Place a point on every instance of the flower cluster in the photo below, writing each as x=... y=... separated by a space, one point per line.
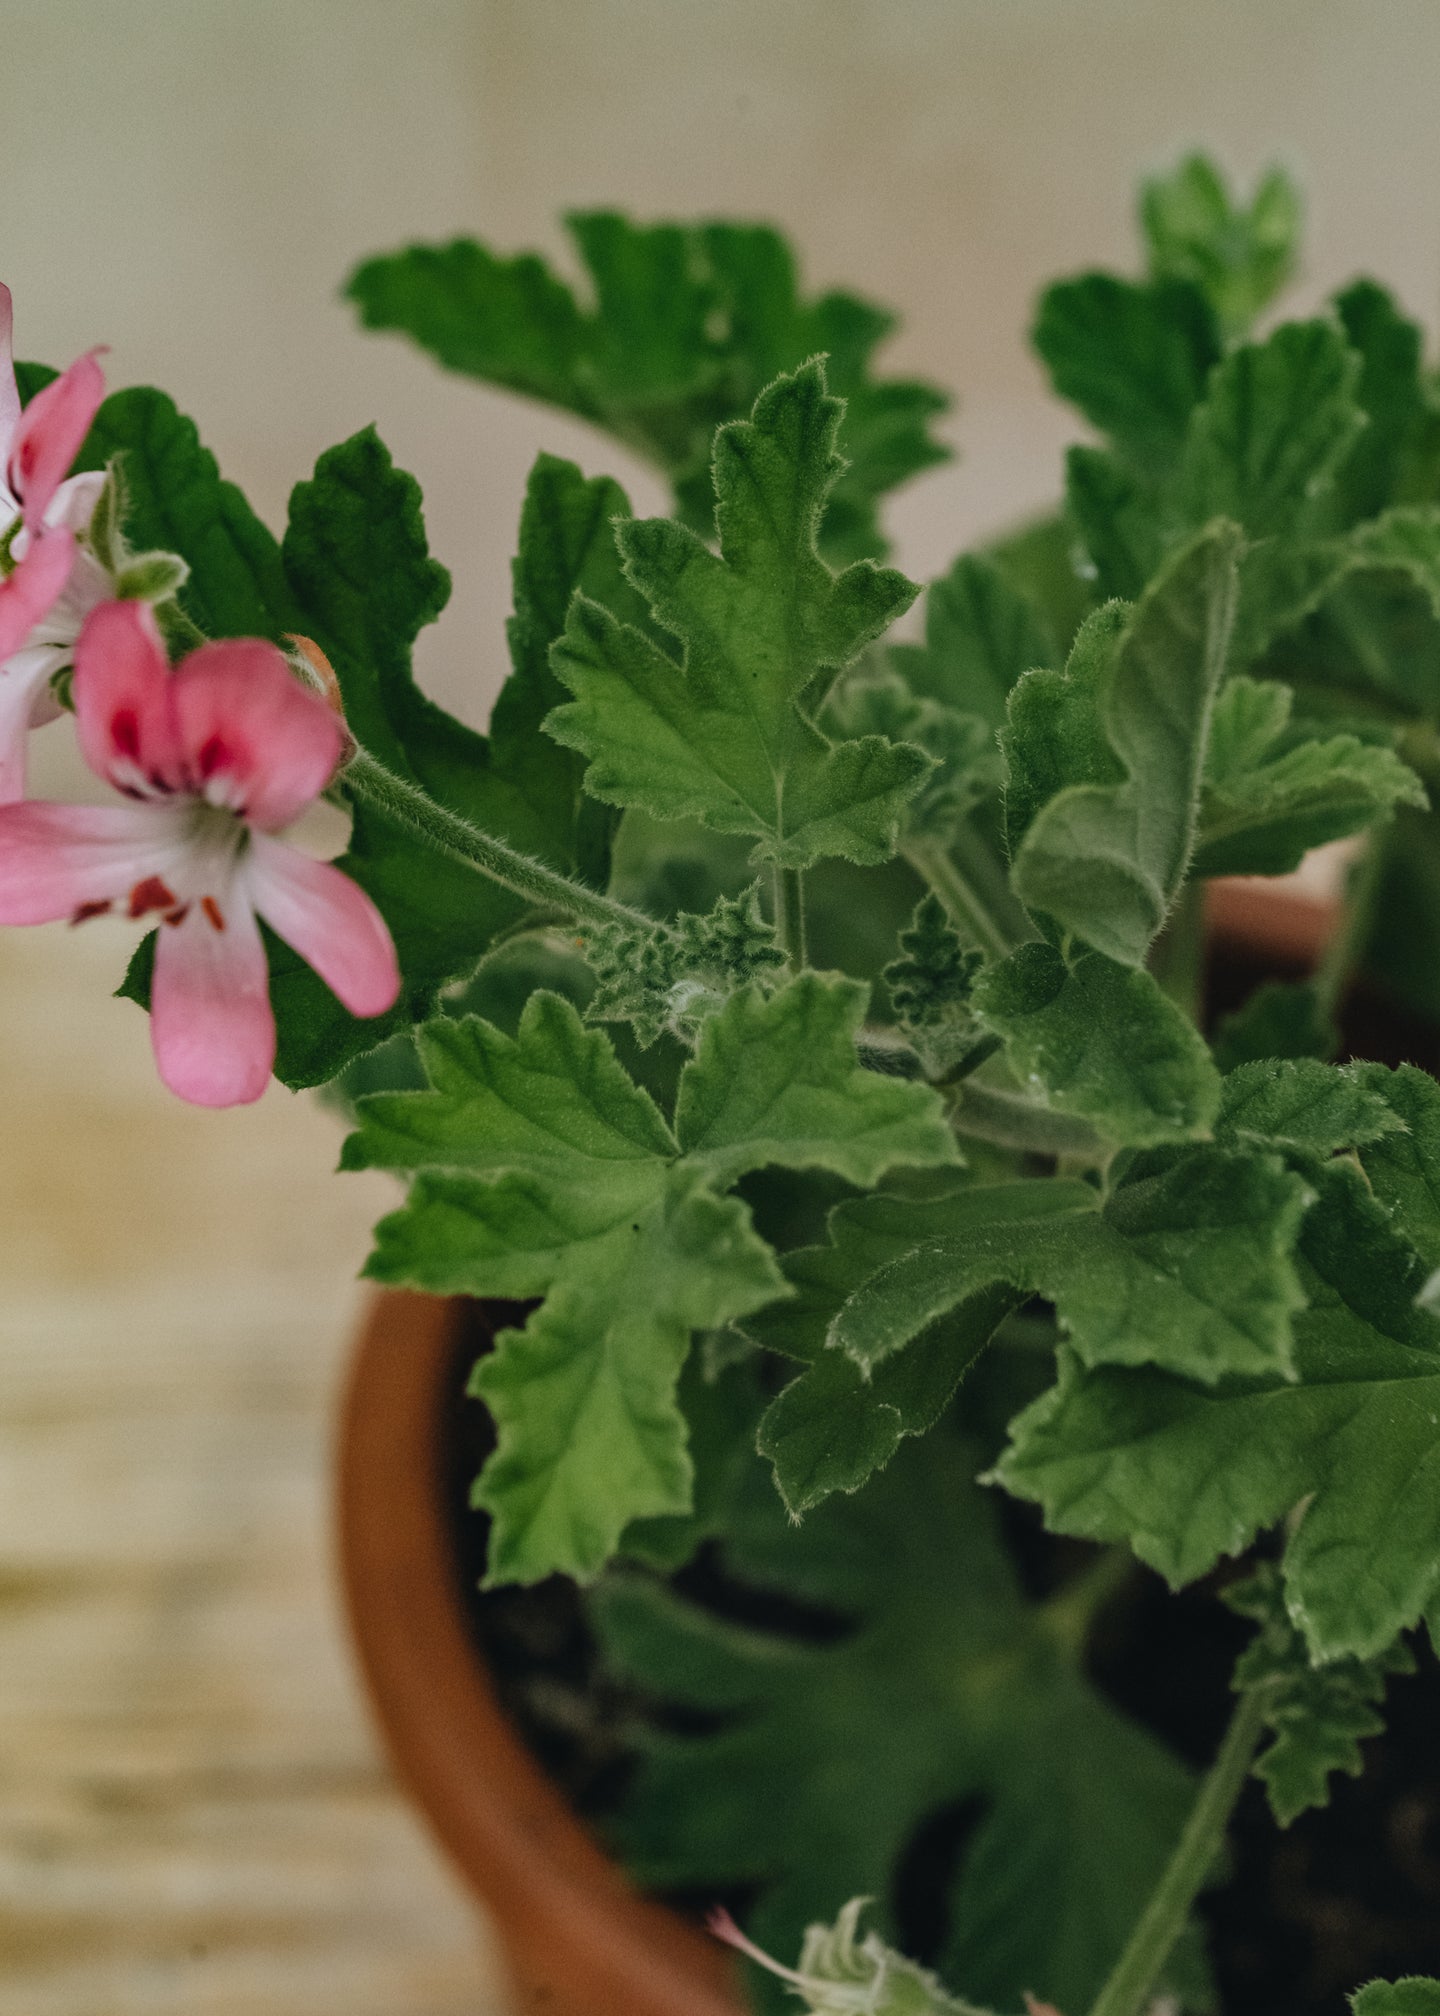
x=215 y=757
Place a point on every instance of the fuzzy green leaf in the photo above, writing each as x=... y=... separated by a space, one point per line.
x=1187 y=1265
x=1265 y=806
x=930 y=986
x=1396 y=460
x=777 y=1081
x=1239 y=256
x=1281 y=1019
x=1413 y=1996
x=1133 y=358
x=947 y=1685
x=727 y=736
x=1302 y=1103
x=1187 y=1473
x=1101 y=1041
x=543 y=1170
x=1278 y=419
x=981 y=633
x=689 y=324
x=1317 y=1715
x=1403 y=1164
x=1106 y=858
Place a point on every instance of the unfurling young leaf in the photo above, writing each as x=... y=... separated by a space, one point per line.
x=541 y=1169
x=727 y=735
x=671 y=976
x=1317 y=1715
x=930 y=988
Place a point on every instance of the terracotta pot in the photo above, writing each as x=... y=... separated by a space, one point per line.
x=579 y=1939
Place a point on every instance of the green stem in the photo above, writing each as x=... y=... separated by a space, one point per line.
x=790 y=914
x=1165 y=1916
x=1347 y=942
x=1009 y=1120
x=968 y=913
x=405 y=804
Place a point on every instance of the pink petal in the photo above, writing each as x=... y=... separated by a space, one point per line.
x=50 y=434
x=254 y=738
x=57 y=859
x=9 y=391
x=124 y=710
x=31 y=592
x=328 y=920
x=211 y=1025
x=24 y=694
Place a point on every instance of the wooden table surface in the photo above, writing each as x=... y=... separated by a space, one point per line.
x=193 y=1813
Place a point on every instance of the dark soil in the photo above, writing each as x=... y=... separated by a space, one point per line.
x=1304 y=1916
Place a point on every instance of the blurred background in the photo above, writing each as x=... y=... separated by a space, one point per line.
x=192 y=1813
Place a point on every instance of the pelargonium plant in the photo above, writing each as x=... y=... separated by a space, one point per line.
x=807 y=1020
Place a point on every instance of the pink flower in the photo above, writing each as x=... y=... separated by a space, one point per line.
x=218 y=755
x=48 y=581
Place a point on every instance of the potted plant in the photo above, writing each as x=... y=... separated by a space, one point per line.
x=794 y=1040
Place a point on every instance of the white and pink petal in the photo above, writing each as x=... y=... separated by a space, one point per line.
x=328 y=920
x=211 y=1024
x=71 y=860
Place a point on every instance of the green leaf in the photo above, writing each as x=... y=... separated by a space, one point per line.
x=1133 y=358
x=1281 y=1019
x=1187 y=1474
x=1102 y=1041
x=1403 y=1163
x=967 y=770
x=1318 y=1715
x=544 y=1170
x=1278 y=419
x=832 y=1427
x=1104 y=858
x=356 y=553
x=777 y=1081
x=1265 y=807
x=1186 y=1265
x=689 y=325
x=727 y=736
x=1300 y=1103
x=1116 y=519
x=946 y=1686
x=1239 y=256
x=1413 y=1996
x=1396 y=460
x=981 y=633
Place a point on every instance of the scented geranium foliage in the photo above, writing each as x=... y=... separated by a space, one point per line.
x=793 y=1009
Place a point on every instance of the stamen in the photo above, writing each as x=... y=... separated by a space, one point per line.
x=177 y=915
x=152 y=894
x=83 y=912
x=213 y=912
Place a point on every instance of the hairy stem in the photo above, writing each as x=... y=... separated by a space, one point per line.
x=369 y=782
x=969 y=914
x=1010 y=1120
x=1164 y=1917
x=790 y=914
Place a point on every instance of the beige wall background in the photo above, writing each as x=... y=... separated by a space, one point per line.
x=190 y=180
